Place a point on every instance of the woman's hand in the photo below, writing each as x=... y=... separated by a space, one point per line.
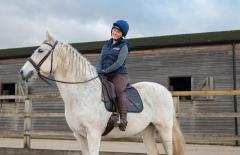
x=102 y=71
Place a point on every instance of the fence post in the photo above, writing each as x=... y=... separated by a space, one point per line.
x=27 y=123
x=176 y=103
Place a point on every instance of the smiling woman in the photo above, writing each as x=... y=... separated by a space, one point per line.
x=112 y=65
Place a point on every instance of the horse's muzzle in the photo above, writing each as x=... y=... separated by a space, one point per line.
x=25 y=77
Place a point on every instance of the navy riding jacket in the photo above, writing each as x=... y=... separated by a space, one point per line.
x=113 y=58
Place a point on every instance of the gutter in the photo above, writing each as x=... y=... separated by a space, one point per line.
x=235 y=88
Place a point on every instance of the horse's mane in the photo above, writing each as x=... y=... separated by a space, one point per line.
x=75 y=63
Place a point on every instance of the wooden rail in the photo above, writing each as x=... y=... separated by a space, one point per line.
x=28 y=133
x=207 y=93
x=4 y=97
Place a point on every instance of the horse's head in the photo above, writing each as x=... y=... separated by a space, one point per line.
x=41 y=61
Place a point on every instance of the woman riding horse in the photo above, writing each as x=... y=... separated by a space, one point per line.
x=81 y=91
x=112 y=65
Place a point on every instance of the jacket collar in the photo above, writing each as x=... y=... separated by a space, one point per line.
x=118 y=42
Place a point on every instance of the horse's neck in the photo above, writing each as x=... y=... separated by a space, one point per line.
x=73 y=67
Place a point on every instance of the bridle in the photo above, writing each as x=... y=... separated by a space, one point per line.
x=37 y=66
x=44 y=78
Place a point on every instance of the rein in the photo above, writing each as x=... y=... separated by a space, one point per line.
x=44 y=78
x=66 y=82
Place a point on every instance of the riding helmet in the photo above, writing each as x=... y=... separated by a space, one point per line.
x=122 y=25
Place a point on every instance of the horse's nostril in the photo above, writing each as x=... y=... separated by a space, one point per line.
x=21 y=72
x=21 y=75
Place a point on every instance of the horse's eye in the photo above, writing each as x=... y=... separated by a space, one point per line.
x=40 y=50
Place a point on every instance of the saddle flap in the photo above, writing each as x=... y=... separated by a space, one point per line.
x=135 y=101
x=108 y=90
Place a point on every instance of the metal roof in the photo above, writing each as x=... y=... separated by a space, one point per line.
x=221 y=37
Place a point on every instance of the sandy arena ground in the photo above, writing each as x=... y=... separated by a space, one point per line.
x=107 y=146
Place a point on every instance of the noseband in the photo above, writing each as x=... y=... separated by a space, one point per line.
x=44 y=78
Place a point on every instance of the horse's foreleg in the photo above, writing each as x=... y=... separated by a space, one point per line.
x=83 y=143
x=94 y=140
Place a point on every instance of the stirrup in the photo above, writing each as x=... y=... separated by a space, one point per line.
x=115 y=117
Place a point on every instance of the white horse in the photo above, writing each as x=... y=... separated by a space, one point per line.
x=84 y=110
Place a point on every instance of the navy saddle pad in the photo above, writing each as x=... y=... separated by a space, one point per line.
x=135 y=104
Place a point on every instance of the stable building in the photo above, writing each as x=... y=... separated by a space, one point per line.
x=201 y=61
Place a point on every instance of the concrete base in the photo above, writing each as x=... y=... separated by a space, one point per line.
x=18 y=151
x=71 y=147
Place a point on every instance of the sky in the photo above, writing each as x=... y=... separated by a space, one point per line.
x=24 y=23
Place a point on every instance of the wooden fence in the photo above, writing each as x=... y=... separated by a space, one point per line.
x=28 y=134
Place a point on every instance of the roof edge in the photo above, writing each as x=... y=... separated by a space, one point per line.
x=193 y=39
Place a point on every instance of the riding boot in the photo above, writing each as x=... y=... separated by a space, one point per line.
x=123 y=121
x=122 y=108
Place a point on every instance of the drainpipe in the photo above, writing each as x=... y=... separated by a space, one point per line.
x=235 y=88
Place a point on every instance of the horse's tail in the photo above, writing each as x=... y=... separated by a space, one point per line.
x=178 y=139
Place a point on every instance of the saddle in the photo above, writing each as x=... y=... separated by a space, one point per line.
x=134 y=102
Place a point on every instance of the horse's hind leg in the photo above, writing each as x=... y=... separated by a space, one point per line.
x=166 y=136
x=149 y=140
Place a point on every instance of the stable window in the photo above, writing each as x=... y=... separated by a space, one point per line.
x=8 y=89
x=181 y=84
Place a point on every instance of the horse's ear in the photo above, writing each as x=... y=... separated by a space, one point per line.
x=49 y=37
